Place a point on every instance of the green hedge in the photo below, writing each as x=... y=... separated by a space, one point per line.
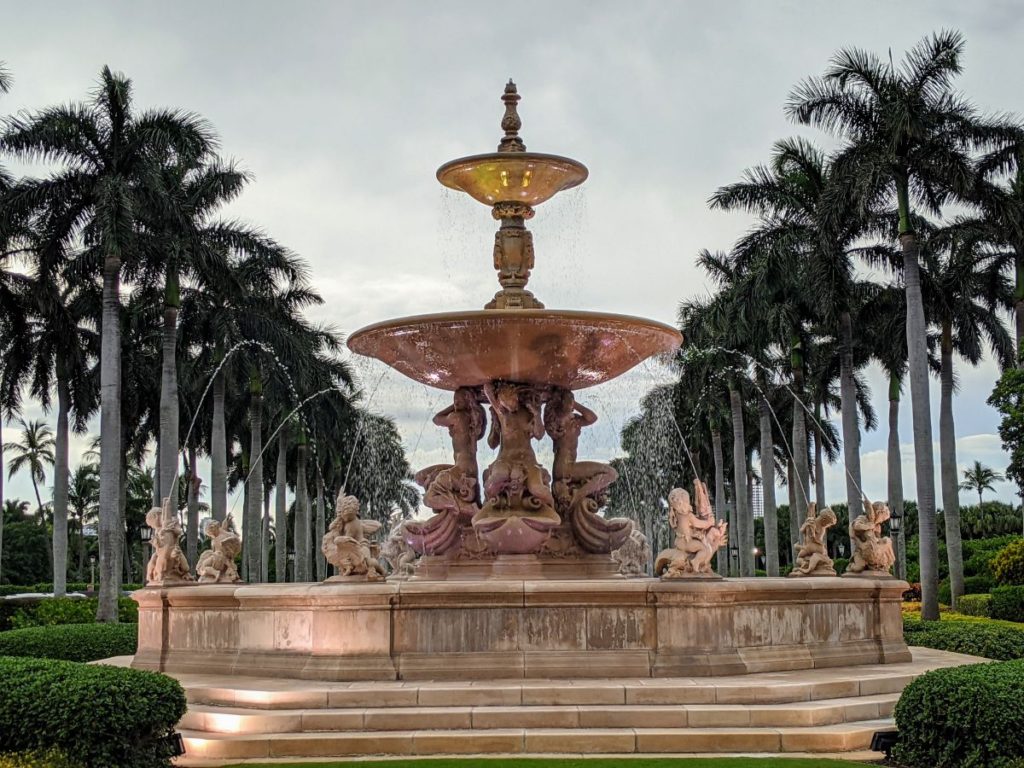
x=51 y=758
x=969 y=717
x=99 y=716
x=973 y=585
x=61 y=610
x=1008 y=603
x=991 y=641
x=1008 y=565
x=71 y=642
x=974 y=605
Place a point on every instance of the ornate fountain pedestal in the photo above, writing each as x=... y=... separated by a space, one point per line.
x=412 y=630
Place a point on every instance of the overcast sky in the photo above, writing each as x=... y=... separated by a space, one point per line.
x=343 y=111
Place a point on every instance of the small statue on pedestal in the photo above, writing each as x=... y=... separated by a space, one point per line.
x=345 y=544
x=397 y=552
x=872 y=553
x=167 y=565
x=812 y=553
x=217 y=564
x=633 y=556
x=698 y=536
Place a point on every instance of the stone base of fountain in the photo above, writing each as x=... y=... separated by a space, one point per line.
x=516 y=567
x=503 y=628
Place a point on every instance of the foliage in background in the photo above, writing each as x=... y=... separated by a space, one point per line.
x=1007 y=603
x=71 y=642
x=1008 y=564
x=1008 y=398
x=976 y=637
x=60 y=610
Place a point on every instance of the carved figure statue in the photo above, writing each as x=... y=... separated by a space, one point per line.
x=345 y=544
x=397 y=552
x=871 y=550
x=518 y=513
x=812 y=552
x=698 y=536
x=168 y=564
x=217 y=564
x=632 y=557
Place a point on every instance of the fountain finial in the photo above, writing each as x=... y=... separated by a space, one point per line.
x=511 y=122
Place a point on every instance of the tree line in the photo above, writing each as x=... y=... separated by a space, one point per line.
x=903 y=247
x=124 y=290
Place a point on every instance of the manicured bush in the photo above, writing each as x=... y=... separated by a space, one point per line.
x=974 y=605
x=51 y=758
x=976 y=638
x=71 y=642
x=1008 y=603
x=99 y=716
x=969 y=717
x=840 y=564
x=1008 y=565
x=973 y=585
x=69 y=610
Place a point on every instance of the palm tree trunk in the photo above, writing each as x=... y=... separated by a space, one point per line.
x=801 y=473
x=60 y=485
x=739 y=459
x=157 y=498
x=921 y=409
x=265 y=537
x=122 y=503
x=246 y=541
x=218 y=453
x=110 y=442
x=1018 y=299
x=794 y=505
x=948 y=469
x=168 y=467
x=281 y=510
x=771 y=524
x=321 y=528
x=192 y=535
x=302 y=533
x=81 y=547
x=819 y=460
x=848 y=408
x=255 y=484
x=721 y=509
x=895 y=473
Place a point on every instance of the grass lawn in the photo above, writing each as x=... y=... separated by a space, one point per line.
x=575 y=762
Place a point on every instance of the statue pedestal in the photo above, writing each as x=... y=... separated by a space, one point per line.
x=521 y=628
x=516 y=567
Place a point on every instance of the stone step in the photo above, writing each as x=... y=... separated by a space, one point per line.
x=844 y=737
x=229 y=720
x=773 y=688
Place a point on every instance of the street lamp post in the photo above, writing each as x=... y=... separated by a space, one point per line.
x=92 y=573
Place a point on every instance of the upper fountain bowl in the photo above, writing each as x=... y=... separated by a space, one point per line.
x=522 y=177
x=544 y=347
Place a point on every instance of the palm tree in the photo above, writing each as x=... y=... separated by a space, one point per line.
x=800 y=231
x=106 y=155
x=83 y=504
x=980 y=478
x=908 y=136
x=965 y=290
x=33 y=452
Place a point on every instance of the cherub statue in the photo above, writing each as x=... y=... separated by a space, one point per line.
x=872 y=552
x=812 y=553
x=217 y=564
x=168 y=564
x=698 y=536
x=345 y=544
x=633 y=556
x=397 y=552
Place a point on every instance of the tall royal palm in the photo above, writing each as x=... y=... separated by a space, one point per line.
x=105 y=155
x=965 y=291
x=34 y=453
x=908 y=135
x=980 y=478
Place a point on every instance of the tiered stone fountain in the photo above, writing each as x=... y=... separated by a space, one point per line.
x=515 y=577
x=524 y=363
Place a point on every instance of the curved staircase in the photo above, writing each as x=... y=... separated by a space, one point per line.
x=834 y=710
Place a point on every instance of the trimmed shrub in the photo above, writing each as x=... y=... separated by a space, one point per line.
x=49 y=759
x=1008 y=604
x=840 y=564
x=974 y=605
x=1008 y=565
x=975 y=638
x=69 y=610
x=970 y=717
x=71 y=642
x=99 y=716
x=973 y=585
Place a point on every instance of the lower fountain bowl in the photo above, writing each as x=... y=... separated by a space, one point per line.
x=565 y=348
